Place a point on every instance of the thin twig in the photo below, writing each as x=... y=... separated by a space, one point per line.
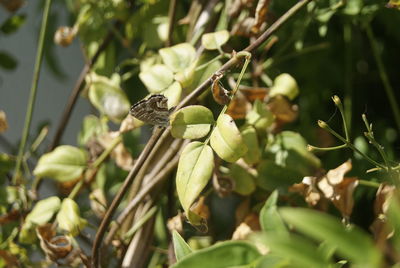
x=32 y=96
x=171 y=21
x=191 y=97
x=75 y=92
x=157 y=176
x=118 y=198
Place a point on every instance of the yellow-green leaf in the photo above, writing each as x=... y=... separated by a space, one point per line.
x=285 y=84
x=178 y=57
x=64 y=163
x=69 y=219
x=244 y=181
x=253 y=155
x=157 y=78
x=191 y=122
x=106 y=95
x=194 y=171
x=226 y=140
x=214 y=40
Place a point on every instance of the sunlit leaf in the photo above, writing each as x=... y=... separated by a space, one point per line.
x=157 y=78
x=214 y=40
x=191 y=122
x=64 y=163
x=179 y=57
x=285 y=84
x=173 y=93
x=69 y=219
x=107 y=97
x=226 y=140
x=181 y=248
x=253 y=155
x=195 y=167
x=42 y=212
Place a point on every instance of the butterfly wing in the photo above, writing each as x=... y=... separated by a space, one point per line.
x=153 y=110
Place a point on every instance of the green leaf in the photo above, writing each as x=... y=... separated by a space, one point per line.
x=107 y=97
x=271 y=176
x=300 y=251
x=272 y=260
x=270 y=220
x=290 y=150
x=179 y=57
x=181 y=248
x=13 y=23
x=195 y=167
x=157 y=78
x=191 y=122
x=214 y=40
x=244 y=181
x=42 y=212
x=260 y=117
x=64 y=163
x=69 y=219
x=173 y=93
x=201 y=75
x=253 y=155
x=7 y=61
x=286 y=85
x=226 y=140
x=220 y=255
x=351 y=243
x=92 y=126
x=288 y=161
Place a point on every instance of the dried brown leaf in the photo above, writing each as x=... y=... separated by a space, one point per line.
x=55 y=247
x=3 y=121
x=239 y=106
x=260 y=16
x=220 y=94
x=176 y=223
x=308 y=189
x=283 y=109
x=254 y=93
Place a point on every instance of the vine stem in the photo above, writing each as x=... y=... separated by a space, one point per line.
x=32 y=97
x=77 y=89
x=186 y=101
x=384 y=77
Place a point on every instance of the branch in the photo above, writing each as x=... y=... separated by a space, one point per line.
x=171 y=21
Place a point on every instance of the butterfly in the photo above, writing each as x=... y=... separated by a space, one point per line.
x=153 y=110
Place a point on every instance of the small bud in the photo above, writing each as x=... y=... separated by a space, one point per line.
x=337 y=100
x=65 y=35
x=310 y=148
x=322 y=124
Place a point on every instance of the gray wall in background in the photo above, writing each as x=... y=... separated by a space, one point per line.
x=52 y=93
